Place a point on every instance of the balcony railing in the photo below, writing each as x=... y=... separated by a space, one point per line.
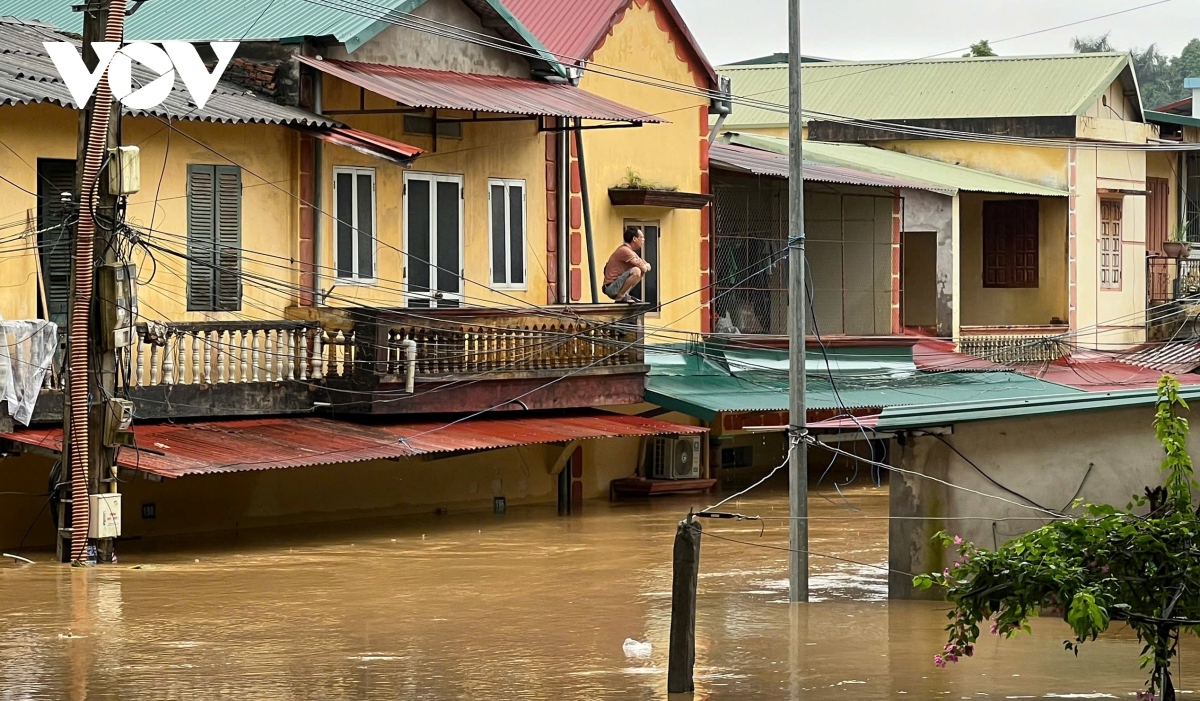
x=554 y=357
x=451 y=346
x=1171 y=280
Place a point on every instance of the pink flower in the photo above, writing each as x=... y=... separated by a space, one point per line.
x=952 y=657
x=1104 y=569
x=1146 y=696
x=946 y=572
x=957 y=565
x=995 y=628
x=958 y=540
x=948 y=648
x=938 y=661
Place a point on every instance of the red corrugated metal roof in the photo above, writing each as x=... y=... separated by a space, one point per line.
x=421 y=87
x=370 y=144
x=1174 y=356
x=572 y=29
x=211 y=447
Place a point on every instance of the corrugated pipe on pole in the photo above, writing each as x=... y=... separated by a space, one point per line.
x=75 y=430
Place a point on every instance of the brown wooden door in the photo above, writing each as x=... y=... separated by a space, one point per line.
x=1158 y=208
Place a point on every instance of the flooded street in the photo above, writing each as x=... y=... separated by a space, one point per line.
x=522 y=605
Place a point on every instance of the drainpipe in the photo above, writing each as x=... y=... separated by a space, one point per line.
x=564 y=212
x=318 y=187
x=587 y=211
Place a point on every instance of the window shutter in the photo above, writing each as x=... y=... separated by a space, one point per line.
x=55 y=244
x=229 y=238
x=516 y=234
x=201 y=231
x=499 y=245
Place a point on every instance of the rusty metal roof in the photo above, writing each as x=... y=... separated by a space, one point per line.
x=1177 y=357
x=370 y=144
x=761 y=162
x=423 y=87
x=572 y=29
x=241 y=445
x=27 y=75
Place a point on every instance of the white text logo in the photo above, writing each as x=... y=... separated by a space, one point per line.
x=177 y=56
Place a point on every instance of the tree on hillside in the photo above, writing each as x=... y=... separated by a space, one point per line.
x=1091 y=45
x=1160 y=77
x=980 y=48
x=1187 y=63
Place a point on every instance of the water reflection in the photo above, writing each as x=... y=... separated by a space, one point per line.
x=525 y=605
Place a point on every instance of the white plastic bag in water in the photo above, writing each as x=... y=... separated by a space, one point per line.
x=635 y=648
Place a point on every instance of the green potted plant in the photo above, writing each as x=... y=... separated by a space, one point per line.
x=1177 y=246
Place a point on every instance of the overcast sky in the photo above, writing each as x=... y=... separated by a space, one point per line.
x=730 y=30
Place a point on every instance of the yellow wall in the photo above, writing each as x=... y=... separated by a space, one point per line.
x=777 y=132
x=666 y=154
x=269 y=212
x=323 y=493
x=509 y=150
x=1047 y=166
x=991 y=306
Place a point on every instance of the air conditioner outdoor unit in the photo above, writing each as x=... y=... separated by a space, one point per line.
x=675 y=458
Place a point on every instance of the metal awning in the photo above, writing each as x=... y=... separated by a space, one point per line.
x=241 y=445
x=757 y=161
x=471 y=92
x=370 y=144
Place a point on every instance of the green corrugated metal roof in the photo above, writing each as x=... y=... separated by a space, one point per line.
x=943 y=176
x=901 y=417
x=240 y=20
x=1004 y=86
x=1171 y=118
x=705 y=386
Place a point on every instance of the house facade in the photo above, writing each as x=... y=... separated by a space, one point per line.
x=1068 y=261
x=359 y=278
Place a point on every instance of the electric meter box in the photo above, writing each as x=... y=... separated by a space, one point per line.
x=105 y=521
x=118 y=300
x=124 y=170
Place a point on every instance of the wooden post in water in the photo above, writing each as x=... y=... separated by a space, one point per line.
x=682 y=655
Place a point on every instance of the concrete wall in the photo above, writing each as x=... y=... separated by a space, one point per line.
x=324 y=493
x=267 y=153
x=993 y=306
x=926 y=211
x=400 y=46
x=1044 y=458
x=674 y=154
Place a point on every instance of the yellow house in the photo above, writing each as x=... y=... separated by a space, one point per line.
x=1070 y=263
x=640 y=53
x=376 y=186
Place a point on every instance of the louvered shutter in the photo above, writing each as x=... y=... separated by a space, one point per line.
x=201 y=231
x=229 y=239
x=55 y=176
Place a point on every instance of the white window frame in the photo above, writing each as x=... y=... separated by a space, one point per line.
x=433 y=179
x=507 y=183
x=356 y=279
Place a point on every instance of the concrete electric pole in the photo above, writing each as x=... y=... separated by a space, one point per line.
x=91 y=357
x=798 y=304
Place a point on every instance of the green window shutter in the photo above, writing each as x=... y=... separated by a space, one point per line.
x=54 y=240
x=201 y=238
x=229 y=238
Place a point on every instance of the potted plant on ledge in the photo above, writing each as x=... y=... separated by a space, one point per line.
x=1177 y=246
x=636 y=191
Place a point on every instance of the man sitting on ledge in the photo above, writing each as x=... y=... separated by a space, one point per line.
x=625 y=268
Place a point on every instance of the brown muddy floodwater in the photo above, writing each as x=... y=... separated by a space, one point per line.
x=524 y=605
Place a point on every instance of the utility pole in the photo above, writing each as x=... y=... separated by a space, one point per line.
x=798 y=304
x=91 y=360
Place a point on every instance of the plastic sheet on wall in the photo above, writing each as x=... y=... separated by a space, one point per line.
x=27 y=351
